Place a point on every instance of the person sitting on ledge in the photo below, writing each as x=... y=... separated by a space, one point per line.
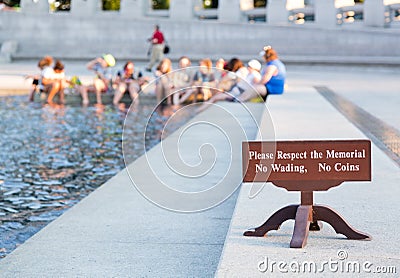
x=242 y=77
x=102 y=81
x=182 y=79
x=36 y=82
x=59 y=75
x=273 y=76
x=164 y=77
x=127 y=81
x=49 y=83
x=203 y=82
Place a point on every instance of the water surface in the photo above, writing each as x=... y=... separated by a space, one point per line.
x=53 y=157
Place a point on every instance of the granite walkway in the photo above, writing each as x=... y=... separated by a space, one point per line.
x=117 y=232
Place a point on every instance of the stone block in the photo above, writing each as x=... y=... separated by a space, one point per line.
x=7 y=50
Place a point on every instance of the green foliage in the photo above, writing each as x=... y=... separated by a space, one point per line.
x=111 y=5
x=160 y=4
x=12 y=3
x=63 y=5
x=210 y=4
x=260 y=3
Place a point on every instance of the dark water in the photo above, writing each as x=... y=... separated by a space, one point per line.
x=53 y=157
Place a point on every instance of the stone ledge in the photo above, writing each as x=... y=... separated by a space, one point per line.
x=8 y=50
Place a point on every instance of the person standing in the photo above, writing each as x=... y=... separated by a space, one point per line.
x=157 y=47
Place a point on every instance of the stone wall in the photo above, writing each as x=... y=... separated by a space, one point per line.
x=66 y=35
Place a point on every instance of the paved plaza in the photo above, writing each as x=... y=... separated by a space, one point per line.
x=115 y=231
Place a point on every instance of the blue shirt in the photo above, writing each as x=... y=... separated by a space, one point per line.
x=276 y=84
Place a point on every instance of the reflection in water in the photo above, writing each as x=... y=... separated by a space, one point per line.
x=52 y=157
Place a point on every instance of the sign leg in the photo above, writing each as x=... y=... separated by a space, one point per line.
x=301 y=226
x=325 y=213
x=275 y=221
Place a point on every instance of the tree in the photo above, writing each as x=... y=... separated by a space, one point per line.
x=160 y=4
x=111 y=5
x=260 y=3
x=12 y=3
x=210 y=4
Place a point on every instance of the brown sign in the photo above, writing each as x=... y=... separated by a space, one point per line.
x=339 y=160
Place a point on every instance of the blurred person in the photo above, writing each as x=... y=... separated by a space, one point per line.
x=203 y=81
x=252 y=78
x=48 y=81
x=182 y=79
x=236 y=66
x=273 y=77
x=220 y=69
x=157 y=47
x=247 y=78
x=164 y=81
x=36 y=82
x=234 y=76
x=254 y=68
x=102 y=82
x=220 y=64
x=59 y=75
x=128 y=81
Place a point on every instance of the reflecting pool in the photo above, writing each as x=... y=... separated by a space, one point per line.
x=53 y=157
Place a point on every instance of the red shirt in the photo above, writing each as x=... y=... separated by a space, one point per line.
x=158 y=37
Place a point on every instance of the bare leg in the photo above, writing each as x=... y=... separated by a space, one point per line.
x=62 y=95
x=83 y=90
x=196 y=93
x=169 y=99
x=251 y=93
x=206 y=93
x=175 y=98
x=162 y=89
x=159 y=92
x=98 y=98
x=206 y=90
x=134 y=89
x=54 y=88
x=119 y=93
x=215 y=98
x=99 y=86
x=186 y=95
x=32 y=93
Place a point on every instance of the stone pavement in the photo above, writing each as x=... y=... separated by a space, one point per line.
x=116 y=232
x=370 y=207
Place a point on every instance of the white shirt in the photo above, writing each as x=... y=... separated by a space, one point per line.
x=48 y=73
x=59 y=76
x=242 y=73
x=253 y=77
